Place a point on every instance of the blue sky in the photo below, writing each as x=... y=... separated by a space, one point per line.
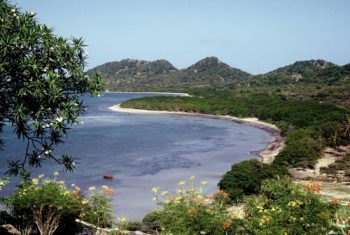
x=254 y=35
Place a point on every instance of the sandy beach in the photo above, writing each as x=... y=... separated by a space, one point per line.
x=267 y=155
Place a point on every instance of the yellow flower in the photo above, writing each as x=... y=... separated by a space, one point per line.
x=204 y=183
x=164 y=193
x=121 y=219
x=46 y=181
x=192 y=178
x=85 y=201
x=56 y=173
x=41 y=176
x=182 y=183
x=92 y=188
x=155 y=189
x=104 y=187
x=35 y=181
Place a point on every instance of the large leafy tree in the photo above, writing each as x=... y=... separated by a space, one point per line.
x=41 y=79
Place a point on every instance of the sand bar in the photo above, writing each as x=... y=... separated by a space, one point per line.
x=267 y=155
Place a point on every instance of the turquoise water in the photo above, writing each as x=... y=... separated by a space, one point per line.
x=145 y=150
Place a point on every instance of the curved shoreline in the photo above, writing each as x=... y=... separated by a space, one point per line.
x=148 y=92
x=268 y=154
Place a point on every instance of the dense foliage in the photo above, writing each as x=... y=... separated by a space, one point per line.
x=285 y=208
x=43 y=202
x=308 y=126
x=282 y=207
x=160 y=75
x=41 y=77
x=245 y=178
x=50 y=206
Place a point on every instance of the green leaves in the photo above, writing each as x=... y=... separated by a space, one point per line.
x=282 y=207
x=41 y=78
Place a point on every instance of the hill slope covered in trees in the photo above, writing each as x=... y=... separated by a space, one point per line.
x=161 y=75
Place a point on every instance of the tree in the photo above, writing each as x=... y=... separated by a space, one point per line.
x=346 y=126
x=41 y=79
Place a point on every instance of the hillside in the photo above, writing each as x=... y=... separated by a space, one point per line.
x=129 y=74
x=160 y=75
x=308 y=71
x=318 y=80
x=211 y=68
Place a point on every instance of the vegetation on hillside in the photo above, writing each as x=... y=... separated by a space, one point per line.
x=160 y=75
x=316 y=80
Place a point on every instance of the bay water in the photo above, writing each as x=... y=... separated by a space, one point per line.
x=143 y=151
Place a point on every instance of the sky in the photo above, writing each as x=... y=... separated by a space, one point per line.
x=254 y=35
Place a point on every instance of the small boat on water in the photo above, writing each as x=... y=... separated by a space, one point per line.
x=108 y=177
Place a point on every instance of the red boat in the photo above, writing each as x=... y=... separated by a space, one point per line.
x=108 y=177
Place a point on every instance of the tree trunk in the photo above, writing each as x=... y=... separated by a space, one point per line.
x=47 y=219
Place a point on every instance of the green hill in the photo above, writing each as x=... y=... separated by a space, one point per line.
x=212 y=69
x=160 y=75
x=317 y=80
x=129 y=74
x=308 y=71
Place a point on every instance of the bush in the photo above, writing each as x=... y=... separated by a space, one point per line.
x=51 y=207
x=282 y=207
x=190 y=211
x=286 y=208
x=152 y=221
x=44 y=202
x=245 y=178
x=97 y=209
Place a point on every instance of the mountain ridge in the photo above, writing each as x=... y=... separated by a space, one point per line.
x=160 y=75
x=137 y=75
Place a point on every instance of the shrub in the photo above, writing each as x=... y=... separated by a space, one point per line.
x=189 y=211
x=286 y=208
x=97 y=207
x=48 y=205
x=45 y=202
x=282 y=207
x=245 y=178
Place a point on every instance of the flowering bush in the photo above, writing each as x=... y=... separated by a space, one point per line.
x=190 y=211
x=281 y=207
x=97 y=207
x=47 y=203
x=44 y=201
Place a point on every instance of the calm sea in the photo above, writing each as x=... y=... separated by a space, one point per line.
x=144 y=150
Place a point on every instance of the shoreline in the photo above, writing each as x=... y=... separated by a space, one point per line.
x=267 y=155
x=149 y=92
